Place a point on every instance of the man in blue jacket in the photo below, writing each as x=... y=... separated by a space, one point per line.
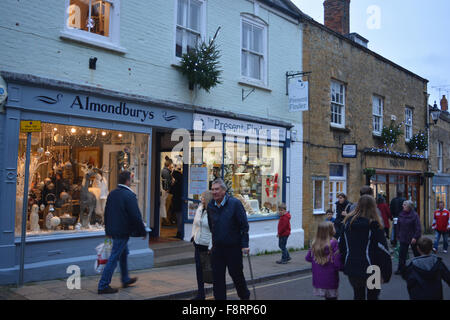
x=123 y=220
x=229 y=227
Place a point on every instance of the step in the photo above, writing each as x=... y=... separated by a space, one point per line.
x=174 y=260
x=172 y=248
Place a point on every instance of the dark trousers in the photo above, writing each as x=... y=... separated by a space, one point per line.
x=198 y=268
x=360 y=287
x=282 y=242
x=231 y=257
x=119 y=254
x=403 y=252
x=386 y=231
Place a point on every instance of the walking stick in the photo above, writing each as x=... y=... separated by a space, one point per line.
x=251 y=274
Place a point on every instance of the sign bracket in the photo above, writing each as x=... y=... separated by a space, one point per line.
x=292 y=74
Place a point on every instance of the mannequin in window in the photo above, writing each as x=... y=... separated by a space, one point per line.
x=101 y=193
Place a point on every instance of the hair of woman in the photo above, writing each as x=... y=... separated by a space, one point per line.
x=366 y=208
x=325 y=232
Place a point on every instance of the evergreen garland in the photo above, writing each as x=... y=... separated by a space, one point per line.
x=201 y=66
x=391 y=134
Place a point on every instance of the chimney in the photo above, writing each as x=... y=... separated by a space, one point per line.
x=444 y=104
x=337 y=15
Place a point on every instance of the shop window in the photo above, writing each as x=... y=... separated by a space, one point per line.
x=189 y=25
x=72 y=171
x=253 y=50
x=377 y=112
x=318 y=196
x=337 y=104
x=441 y=195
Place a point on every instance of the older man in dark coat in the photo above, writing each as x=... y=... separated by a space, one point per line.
x=123 y=220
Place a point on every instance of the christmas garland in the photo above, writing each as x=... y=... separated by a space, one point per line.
x=396 y=154
x=390 y=135
x=201 y=66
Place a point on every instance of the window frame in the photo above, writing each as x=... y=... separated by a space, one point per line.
x=319 y=211
x=253 y=20
x=440 y=156
x=112 y=42
x=336 y=103
x=409 y=126
x=177 y=60
x=378 y=116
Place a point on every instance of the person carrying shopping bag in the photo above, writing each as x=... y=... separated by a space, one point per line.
x=202 y=240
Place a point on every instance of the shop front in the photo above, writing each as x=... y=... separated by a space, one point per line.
x=87 y=137
x=251 y=158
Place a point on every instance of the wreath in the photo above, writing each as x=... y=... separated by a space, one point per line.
x=390 y=135
x=419 y=141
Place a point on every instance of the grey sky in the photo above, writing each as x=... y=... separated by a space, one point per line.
x=412 y=33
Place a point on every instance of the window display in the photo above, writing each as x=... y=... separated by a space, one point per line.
x=253 y=173
x=72 y=170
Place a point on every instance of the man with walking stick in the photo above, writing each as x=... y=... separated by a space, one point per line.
x=229 y=227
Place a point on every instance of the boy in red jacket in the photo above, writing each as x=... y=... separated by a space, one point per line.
x=441 y=224
x=284 y=230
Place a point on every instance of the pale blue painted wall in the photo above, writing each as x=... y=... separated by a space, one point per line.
x=31 y=44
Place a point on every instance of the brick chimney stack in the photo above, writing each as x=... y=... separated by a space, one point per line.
x=337 y=15
x=444 y=104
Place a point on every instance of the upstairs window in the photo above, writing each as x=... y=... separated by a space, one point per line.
x=337 y=104
x=440 y=147
x=253 y=50
x=408 y=123
x=189 y=26
x=96 y=22
x=377 y=113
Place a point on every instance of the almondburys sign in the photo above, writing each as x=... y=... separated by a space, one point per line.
x=121 y=109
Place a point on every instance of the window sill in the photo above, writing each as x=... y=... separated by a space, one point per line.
x=339 y=128
x=376 y=134
x=319 y=213
x=248 y=83
x=101 y=44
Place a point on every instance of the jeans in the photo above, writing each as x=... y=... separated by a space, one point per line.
x=199 y=270
x=231 y=257
x=282 y=241
x=359 y=289
x=438 y=238
x=119 y=253
x=403 y=252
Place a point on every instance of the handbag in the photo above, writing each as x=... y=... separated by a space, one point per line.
x=205 y=261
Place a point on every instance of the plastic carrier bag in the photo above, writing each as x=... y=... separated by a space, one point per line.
x=103 y=253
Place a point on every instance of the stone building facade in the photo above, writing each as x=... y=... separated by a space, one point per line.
x=354 y=93
x=439 y=150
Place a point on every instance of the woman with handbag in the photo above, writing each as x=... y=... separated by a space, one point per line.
x=201 y=237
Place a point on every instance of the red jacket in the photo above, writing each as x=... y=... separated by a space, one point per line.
x=284 y=225
x=385 y=213
x=441 y=221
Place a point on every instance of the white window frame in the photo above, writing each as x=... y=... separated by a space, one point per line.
x=337 y=85
x=409 y=119
x=440 y=156
x=112 y=42
x=377 y=114
x=333 y=180
x=253 y=20
x=321 y=210
x=177 y=60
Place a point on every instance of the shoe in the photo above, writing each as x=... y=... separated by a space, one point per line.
x=129 y=283
x=198 y=298
x=289 y=259
x=398 y=272
x=107 y=290
x=281 y=261
x=435 y=251
x=445 y=251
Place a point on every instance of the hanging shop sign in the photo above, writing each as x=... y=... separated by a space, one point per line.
x=234 y=127
x=349 y=150
x=92 y=106
x=298 y=95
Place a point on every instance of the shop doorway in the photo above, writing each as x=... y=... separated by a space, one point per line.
x=169 y=191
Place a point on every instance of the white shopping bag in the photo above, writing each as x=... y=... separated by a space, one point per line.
x=103 y=253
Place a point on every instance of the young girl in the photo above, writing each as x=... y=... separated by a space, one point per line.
x=326 y=262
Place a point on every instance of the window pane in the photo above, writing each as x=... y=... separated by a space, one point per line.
x=244 y=64
x=195 y=15
x=72 y=163
x=336 y=170
x=179 y=44
x=100 y=15
x=182 y=12
x=317 y=194
x=246 y=34
x=192 y=40
x=255 y=66
x=257 y=39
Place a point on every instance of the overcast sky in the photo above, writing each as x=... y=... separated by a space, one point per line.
x=412 y=33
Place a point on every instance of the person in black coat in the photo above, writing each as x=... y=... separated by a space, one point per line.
x=424 y=274
x=364 y=244
x=342 y=210
x=123 y=220
x=228 y=223
x=177 y=199
x=396 y=206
